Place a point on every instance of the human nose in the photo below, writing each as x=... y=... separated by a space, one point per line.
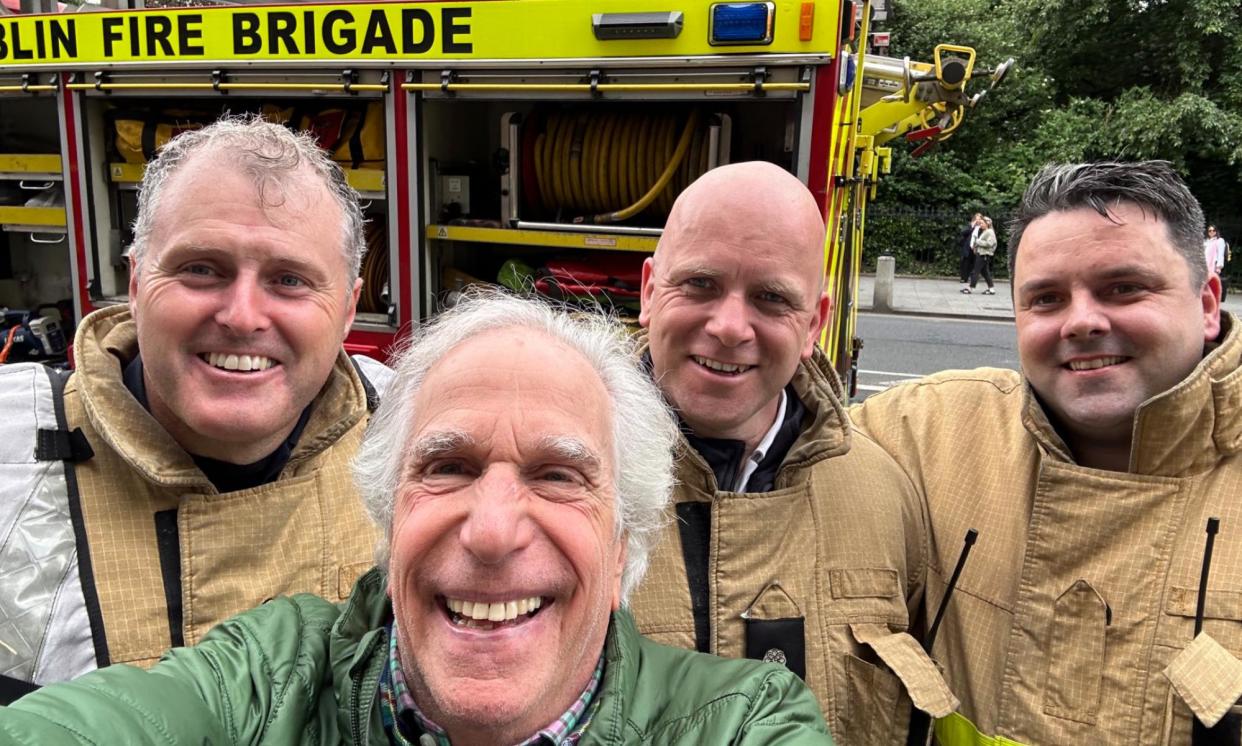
x=1084 y=318
x=730 y=321
x=243 y=307
x=497 y=524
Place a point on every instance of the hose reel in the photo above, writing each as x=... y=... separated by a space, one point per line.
x=602 y=166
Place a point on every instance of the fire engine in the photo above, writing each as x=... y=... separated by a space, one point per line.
x=534 y=143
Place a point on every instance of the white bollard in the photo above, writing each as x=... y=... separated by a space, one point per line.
x=882 y=297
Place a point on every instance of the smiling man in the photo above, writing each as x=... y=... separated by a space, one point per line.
x=196 y=462
x=519 y=468
x=1090 y=477
x=797 y=539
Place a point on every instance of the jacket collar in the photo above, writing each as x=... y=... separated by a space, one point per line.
x=359 y=650
x=108 y=339
x=1184 y=430
x=826 y=433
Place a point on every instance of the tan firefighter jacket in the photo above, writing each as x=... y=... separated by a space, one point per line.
x=92 y=553
x=1081 y=589
x=825 y=570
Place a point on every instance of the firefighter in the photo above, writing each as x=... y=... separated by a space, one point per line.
x=1089 y=476
x=797 y=540
x=196 y=462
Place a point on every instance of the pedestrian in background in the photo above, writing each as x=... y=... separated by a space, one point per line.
x=984 y=246
x=1216 y=253
x=965 y=243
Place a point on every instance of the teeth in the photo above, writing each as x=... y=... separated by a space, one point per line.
x=502 y=611
x=1099 y=362
x=238 y=362
x=707 y=362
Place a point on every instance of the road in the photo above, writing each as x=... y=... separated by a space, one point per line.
x=898 y=348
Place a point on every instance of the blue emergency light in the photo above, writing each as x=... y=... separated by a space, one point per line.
x=741 y=23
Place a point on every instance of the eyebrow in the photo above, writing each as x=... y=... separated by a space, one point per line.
x=700 y=270
x=439 y=443
x=791 y=293
x=192 y=251
x=570 y=450
x=1112 y=273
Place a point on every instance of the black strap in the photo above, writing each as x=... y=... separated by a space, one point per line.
x=149 y=128
x=12 y=689
x=86 y=573
x=356 y=154
x=59 y=445
x=168 y=542
x=694 y=520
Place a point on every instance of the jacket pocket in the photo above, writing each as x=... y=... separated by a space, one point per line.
x=1220 y=603
x=1076 y=654
x=921 y=679
x=864 y=583
x=874 y=710
x=1205 y=685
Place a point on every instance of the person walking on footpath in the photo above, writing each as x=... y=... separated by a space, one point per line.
x=1216 y=253
x=966 y=258
x=984 y=246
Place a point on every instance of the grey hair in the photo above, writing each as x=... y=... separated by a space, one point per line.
x=270 y=154
x=1151 y=185
x=644 y=432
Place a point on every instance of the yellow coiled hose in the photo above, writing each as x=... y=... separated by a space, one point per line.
x=612 y=165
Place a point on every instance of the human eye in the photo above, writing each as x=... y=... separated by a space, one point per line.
x=197 y=269
x=773 y=298
x=698 y=283
x=444 y=469
x=557 y=475
x=1124 y=289
x=290 y=281
x=1043 y=300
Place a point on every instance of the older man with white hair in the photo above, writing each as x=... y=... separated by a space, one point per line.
x=519 y=468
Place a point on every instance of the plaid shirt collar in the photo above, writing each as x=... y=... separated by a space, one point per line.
x=403 y=721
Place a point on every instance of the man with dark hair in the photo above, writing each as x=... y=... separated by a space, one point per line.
x=966 y=250
x=1090 y=476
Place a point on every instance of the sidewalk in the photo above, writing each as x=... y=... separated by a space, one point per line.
x=936 y=296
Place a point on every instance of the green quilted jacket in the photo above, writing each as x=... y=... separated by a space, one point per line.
x=300 y=670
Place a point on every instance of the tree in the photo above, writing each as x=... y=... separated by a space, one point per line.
x=1094 y=79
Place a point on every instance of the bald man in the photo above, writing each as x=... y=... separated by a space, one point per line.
x=797 y=539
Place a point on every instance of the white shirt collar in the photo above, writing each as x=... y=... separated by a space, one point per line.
x=761 y=450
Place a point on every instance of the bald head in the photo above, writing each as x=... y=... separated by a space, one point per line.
x=750 y=203
x=733 y=299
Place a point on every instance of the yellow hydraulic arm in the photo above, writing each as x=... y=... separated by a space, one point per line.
x=890 y=98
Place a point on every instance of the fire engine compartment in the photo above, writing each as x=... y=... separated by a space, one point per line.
x=539 y=146
x=463 y=138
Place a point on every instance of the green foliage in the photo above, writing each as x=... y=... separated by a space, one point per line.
x=1094 y=80
x=926 y=241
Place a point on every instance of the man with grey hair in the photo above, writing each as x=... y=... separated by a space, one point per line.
x=196 y=462
x=519 y=468
x=1086 y=613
